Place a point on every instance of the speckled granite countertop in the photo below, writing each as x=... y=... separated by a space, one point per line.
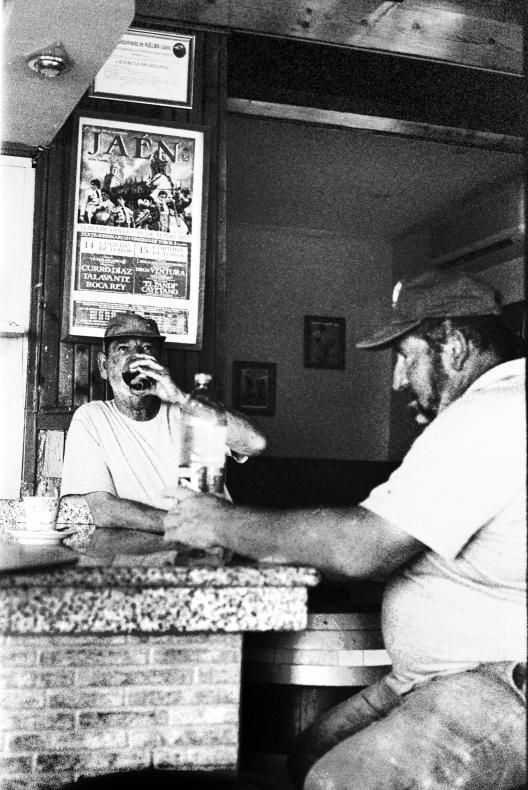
x=155 y=600
x=95 y=578
x=152 y=594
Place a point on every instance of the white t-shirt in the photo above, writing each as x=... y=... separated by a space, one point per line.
x=461 y=491
x=107 y=451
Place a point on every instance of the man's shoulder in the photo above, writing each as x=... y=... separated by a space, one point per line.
x=94 y=410
x=499 y=387
x=511 y=374
x=494 y=405
x=499 y=391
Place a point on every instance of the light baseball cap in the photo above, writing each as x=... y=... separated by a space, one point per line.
x=132 y=325
x=433 y=295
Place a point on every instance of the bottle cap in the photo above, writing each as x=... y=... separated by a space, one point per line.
x=202 y=378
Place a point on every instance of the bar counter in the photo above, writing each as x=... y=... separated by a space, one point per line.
x=123 y=667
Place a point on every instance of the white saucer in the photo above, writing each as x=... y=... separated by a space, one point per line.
x=35 y=537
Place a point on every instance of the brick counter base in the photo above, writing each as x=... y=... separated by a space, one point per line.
x=73 y=706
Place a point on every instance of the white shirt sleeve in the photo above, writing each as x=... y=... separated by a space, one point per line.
x=85 y=469
x=465 y=468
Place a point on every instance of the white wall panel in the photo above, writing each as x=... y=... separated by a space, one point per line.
x=17 y=180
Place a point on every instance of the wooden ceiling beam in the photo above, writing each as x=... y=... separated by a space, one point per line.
x=498 y=10
x=450 y=135
x=483 y=35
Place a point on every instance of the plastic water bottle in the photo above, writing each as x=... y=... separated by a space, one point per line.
x=203 y=438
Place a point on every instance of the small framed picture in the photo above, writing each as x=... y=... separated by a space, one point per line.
x=324 y=342
x=254 y=387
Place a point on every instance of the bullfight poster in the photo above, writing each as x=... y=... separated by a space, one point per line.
x=137 y=231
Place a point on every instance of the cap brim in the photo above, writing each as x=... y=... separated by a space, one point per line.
x=134 y=334
x=386 y=335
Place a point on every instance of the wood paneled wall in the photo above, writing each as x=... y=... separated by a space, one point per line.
x=62 y=376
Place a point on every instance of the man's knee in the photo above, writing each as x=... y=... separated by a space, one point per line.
x=342 y=771
x=318 y=778
x=336 y=725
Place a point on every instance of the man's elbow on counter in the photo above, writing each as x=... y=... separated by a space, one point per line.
x=102 y=508
x=258 y=444
x=252 y=445
x=99 y=504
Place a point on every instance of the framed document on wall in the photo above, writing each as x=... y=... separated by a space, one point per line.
x=136 y=231
x=150 y=68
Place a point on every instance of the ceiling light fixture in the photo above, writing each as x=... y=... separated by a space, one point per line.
x=50 y=61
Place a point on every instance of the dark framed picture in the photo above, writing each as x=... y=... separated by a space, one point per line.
x=136 y=227
x=324 y=342
x=254 y=387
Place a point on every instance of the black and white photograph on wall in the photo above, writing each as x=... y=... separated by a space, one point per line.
x=254 y=387
x=324 y=342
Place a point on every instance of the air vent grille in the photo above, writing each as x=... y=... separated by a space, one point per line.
x=473 y=255
x=485 y=252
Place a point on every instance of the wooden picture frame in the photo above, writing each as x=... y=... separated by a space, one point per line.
x=254 y=387
x=324 y=342
x=136 y=227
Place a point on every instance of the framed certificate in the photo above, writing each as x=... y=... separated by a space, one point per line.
x=136 y=230
x=149 y=68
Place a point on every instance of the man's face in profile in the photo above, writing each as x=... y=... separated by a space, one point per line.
x=420 y=372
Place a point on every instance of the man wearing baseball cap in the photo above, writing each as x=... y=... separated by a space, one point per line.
x=122 y=454
x=448 y=533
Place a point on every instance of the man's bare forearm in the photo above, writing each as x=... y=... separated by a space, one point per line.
x=318 y=537
x=242 y=436
x=352 y=542
x=112 y=512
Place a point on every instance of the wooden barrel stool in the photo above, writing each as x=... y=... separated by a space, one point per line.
x=291 y=678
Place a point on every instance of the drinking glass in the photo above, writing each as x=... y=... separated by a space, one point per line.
x=135 y=380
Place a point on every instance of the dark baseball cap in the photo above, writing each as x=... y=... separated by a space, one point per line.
x=432 y=295
x=132 y=325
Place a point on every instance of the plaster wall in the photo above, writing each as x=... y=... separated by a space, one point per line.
x=276 y=276
x=488 y=214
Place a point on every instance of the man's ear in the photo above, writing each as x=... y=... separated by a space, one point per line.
x=456 y=349
x=101 y=361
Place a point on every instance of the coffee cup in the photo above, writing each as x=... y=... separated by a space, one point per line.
x=38 y=513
